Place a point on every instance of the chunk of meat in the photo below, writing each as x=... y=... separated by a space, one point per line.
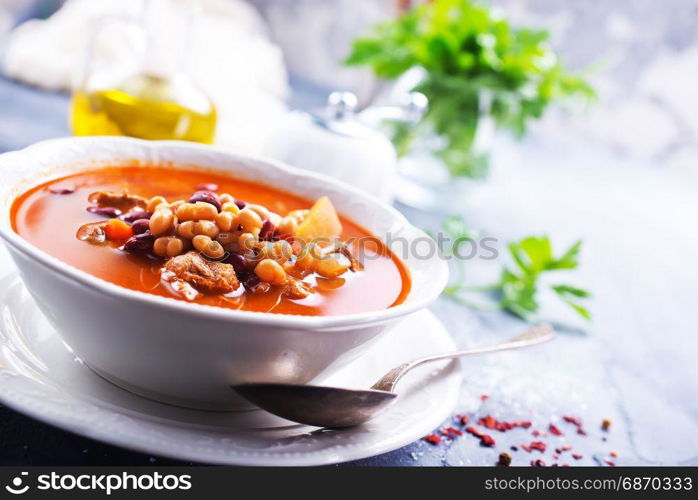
x=296 y=289
x=204 y=275
x=122 y=200
x=355 y=264
x=93 y=232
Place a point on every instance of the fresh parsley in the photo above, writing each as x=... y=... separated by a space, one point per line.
x=475 y=63
x=518 y=285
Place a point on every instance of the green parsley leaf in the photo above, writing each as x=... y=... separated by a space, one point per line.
x=475 y=63
x=517 y=288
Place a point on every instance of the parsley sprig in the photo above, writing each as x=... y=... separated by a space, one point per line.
x=517 y=289
x=474 y=62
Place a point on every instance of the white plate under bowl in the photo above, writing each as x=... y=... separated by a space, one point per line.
x=39 y=376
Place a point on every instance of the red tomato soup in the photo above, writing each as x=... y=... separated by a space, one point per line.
x=50 y=215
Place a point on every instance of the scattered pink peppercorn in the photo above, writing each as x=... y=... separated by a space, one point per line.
x=552 y=428
x=487 y=440
x=576 y=421
x=489 y=422
x=451 y=432
x=492 y=423
x=432 y=439
x=538 y=445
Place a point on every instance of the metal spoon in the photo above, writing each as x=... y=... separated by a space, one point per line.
x=337 y=407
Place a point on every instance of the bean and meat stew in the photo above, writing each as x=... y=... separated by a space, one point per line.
x=203 y=236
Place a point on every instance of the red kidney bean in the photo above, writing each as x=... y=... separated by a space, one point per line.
x=251 y=282
x=207 y=197
x=61 y=190
x=140 y=226
x=267 y=230
x=139 y=243
x=240 y=264
x=108 y=212
x=208 y=186
x=241 y=204
x=134 y=215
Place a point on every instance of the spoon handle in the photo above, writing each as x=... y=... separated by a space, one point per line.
x=535 y=335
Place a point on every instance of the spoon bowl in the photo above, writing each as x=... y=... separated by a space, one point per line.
x=332 y=407
x=336 y=407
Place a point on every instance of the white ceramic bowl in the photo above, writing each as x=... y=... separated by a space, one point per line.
x=189 y=354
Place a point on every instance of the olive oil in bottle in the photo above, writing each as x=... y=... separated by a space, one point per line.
x=153 y=99
x=145 y=106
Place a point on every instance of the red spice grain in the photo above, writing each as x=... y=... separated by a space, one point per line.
x=552 y=428
x=432 y=439
x=451 y=432
x=555 y=457
x=492 y=423
x=606 y=424
x=488 y=422
x=611 y=463
x=538 y=432
x=577 y=422
x=538 y=445
x=472 y=430
x=484 y=397
x=566 y=447
x=538 y=463
x=464 y=419
x=577 y=456
x=614 y=454
x=573 y=420
x=487 y=440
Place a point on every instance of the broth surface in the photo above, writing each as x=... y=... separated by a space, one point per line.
x=49 y=221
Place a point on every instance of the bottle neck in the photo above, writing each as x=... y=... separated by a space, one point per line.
x=168 y=27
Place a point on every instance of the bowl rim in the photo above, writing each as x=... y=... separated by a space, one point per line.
x=82 y=278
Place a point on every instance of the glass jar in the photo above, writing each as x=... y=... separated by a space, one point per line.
x=425 y=180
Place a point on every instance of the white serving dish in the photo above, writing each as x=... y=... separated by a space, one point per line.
x=189 y=354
